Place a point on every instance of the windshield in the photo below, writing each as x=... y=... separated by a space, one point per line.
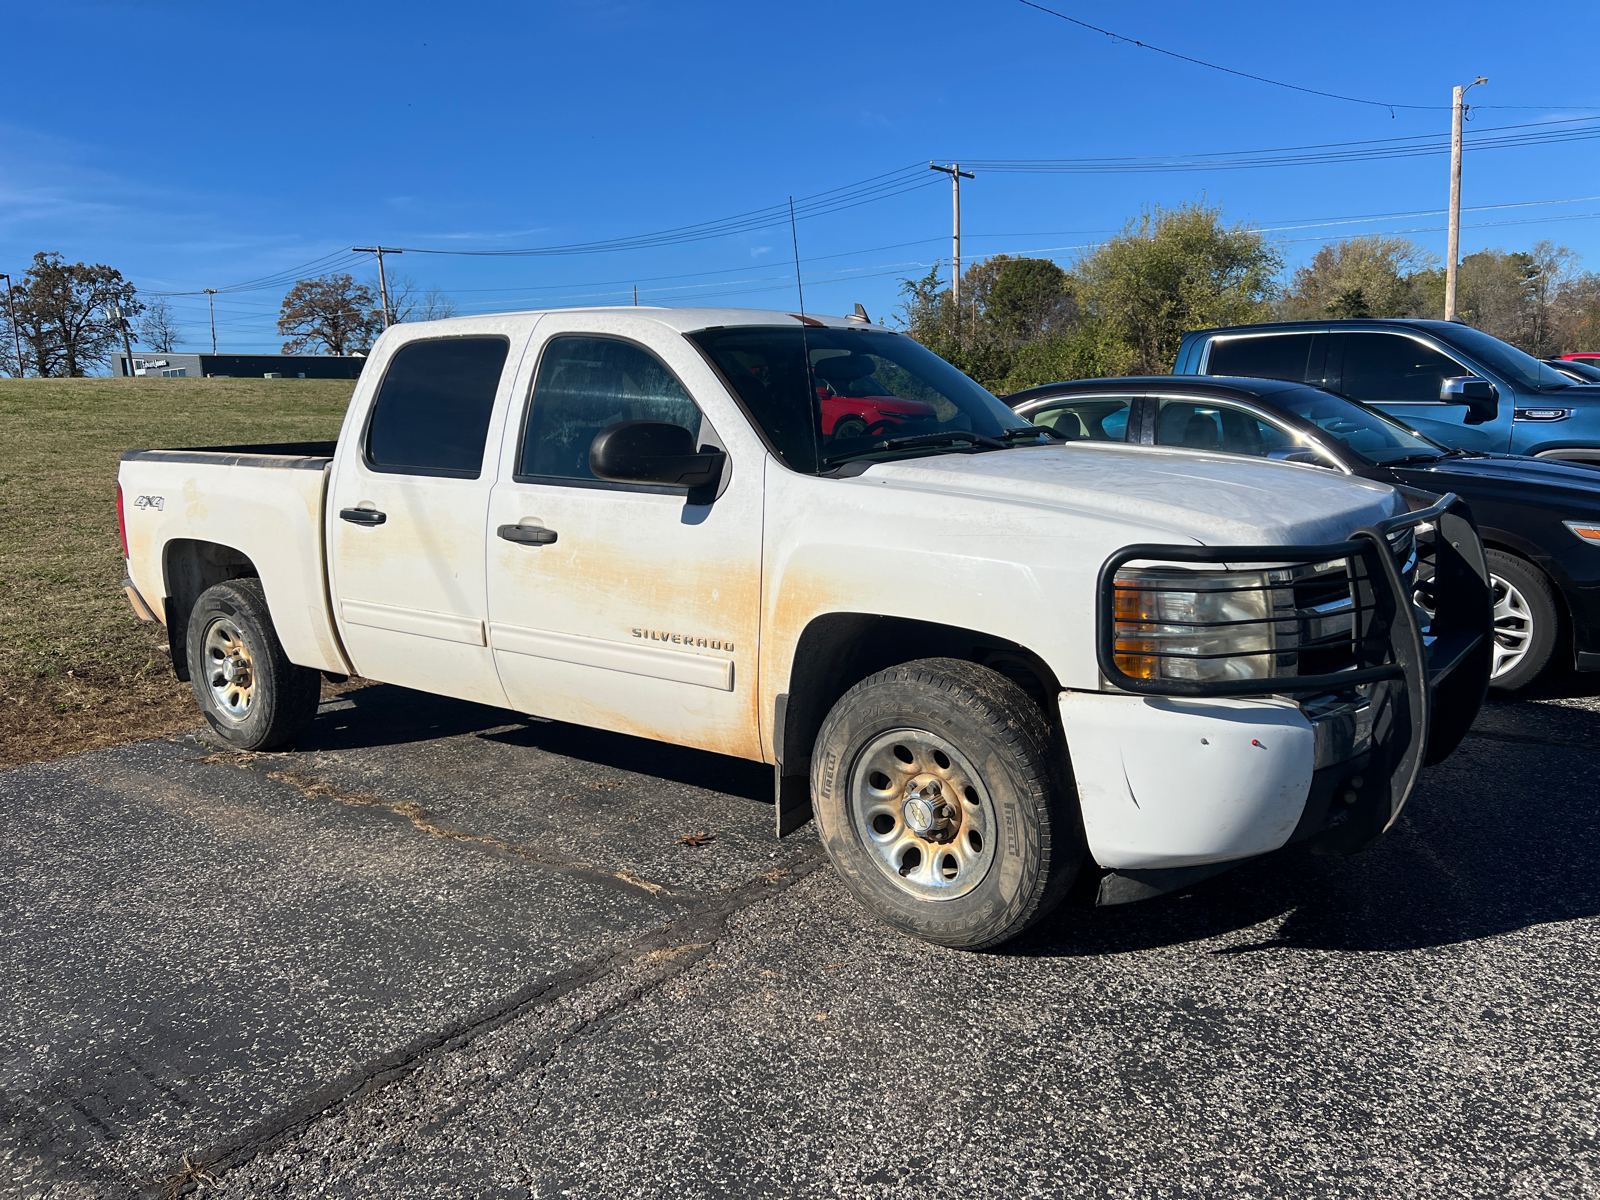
x=1370 y=434
x=1505 y=359
x=864 y=387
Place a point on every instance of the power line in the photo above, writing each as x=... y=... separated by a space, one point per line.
x=839 y=199
x=1540 y=133
x=1200 y=62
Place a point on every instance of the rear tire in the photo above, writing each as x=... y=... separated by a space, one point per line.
x=940 y=801
x=1527 y=621
x=252 y=696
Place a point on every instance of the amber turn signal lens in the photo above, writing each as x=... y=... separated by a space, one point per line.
x=1589 y=531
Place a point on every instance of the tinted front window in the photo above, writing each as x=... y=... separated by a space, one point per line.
x=431 y=416
x=586 y=384
x=1279 y=356
x=821 y=393
x=1373 y=435
x=1100 y=420
x=1504 y=358
x=1390 y=366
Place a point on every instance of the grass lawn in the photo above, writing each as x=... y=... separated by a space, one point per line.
x=77 y=670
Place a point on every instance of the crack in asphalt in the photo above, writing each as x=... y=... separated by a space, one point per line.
x=315 y=788
x=663 y=955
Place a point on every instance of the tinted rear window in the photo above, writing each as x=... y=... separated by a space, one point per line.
x=1278 y=356
x=431 y=416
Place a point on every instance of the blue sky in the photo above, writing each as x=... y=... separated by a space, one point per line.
x=200 y=146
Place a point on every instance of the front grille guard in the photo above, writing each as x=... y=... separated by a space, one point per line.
x=1395 y=666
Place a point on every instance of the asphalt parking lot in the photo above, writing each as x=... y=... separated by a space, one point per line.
x=443 y=952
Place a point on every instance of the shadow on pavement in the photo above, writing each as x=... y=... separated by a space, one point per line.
x=1499 y=837
x=383 y=715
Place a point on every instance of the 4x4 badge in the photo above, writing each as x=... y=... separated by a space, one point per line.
x=159 y=503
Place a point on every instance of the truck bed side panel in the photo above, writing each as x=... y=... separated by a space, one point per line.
x=267 y=507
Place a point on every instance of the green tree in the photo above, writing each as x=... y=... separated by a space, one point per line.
x=1173 y=270
x=332 y=313
x=1030 y=298
x=1524 y=297
x=61 y=313
x=1380 y=270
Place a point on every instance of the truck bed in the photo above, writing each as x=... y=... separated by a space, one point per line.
x=191 y=512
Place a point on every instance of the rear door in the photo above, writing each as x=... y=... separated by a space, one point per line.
x=1293 y=356
x=405 y=526
x=624 y=606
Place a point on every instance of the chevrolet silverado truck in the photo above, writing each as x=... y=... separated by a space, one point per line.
x=983 y=657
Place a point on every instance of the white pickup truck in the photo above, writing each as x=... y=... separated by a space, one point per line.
x=983 y=656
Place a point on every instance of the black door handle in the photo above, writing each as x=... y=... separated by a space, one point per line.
x=527 y=535
x=362 y=516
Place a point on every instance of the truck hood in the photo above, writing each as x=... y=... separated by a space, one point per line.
x=1216 y=499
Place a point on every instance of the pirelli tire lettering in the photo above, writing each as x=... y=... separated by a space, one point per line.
x=682 y=639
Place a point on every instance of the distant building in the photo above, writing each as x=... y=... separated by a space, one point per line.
x=240 y=366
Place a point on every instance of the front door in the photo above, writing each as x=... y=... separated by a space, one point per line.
x=405 y=527
x=623 y=606
x=1401 y=375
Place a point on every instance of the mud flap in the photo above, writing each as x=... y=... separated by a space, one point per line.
x=792 y=801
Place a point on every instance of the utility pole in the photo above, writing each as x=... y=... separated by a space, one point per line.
x=1458 y=110
x=16 y=334
x=636 y=295
x=114 y=311
x=211 y=304
x=383 y=284
x=956 y=176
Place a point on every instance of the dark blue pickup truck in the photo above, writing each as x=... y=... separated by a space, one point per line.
x=1456 y=384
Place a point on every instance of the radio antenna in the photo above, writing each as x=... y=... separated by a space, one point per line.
x=795 y=237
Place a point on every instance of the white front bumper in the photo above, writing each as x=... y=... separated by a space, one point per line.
x=1167 y=782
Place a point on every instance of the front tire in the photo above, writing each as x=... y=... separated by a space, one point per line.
x=251 y=695
x=1526 y=620
x=940 y=805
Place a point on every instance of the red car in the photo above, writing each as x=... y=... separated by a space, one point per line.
x=857 y=416
x=1592 y=357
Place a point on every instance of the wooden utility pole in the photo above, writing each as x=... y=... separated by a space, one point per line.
x=1458 y=110
x=383 y=285
x=211 y=304
x=16 y=334
x=115 y=313
x=956 y=176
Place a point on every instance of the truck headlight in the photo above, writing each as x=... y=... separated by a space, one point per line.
x=1195 y=625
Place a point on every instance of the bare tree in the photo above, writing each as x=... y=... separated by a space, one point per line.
x=408 y=302
x=332 y=312
x=62 y=313
x=159 y=330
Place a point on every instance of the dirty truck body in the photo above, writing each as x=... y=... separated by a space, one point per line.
x=985 y=658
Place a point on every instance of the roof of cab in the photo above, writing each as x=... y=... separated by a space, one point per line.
x=684 y=320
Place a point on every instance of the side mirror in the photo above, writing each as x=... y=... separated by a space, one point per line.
x=656 y=452
x=1480 y=396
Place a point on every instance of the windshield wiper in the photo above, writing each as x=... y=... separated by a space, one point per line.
x=1037 y=431
x=916 y=441
x=1458 y=452
x=948 y=438
x=1406 y=460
